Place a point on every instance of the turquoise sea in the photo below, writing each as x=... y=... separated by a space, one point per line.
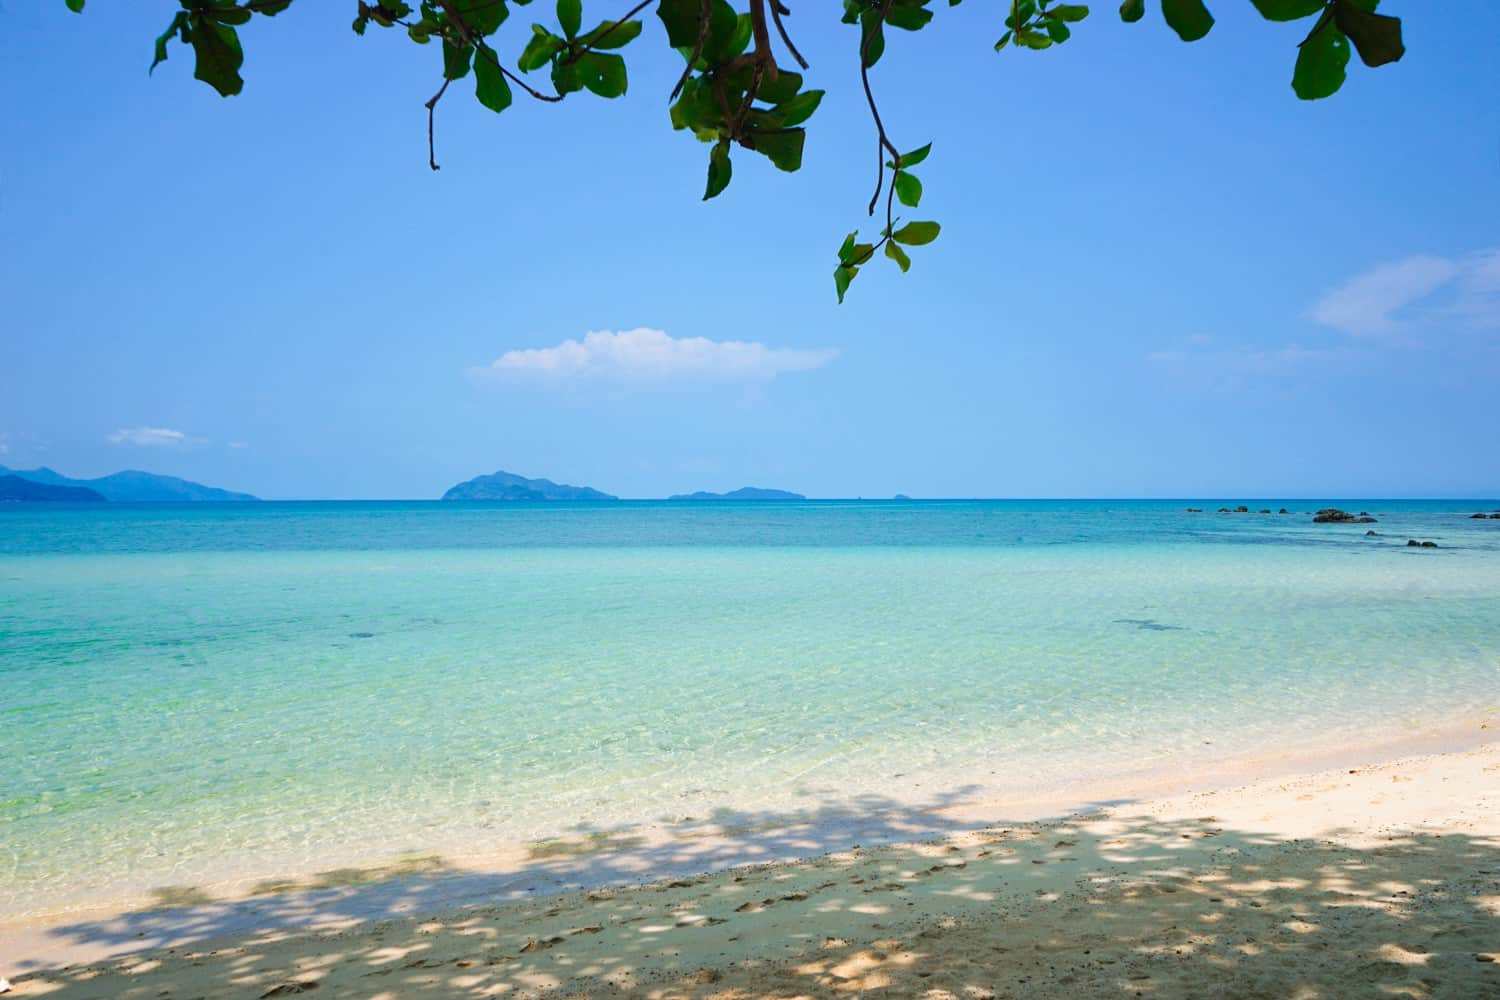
x=194 y=692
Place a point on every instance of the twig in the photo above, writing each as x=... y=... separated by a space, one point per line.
x=883 y=141
x=777 y=10
x=578 y=54
x=489 y=53
x=432 y=104
x=687 y=71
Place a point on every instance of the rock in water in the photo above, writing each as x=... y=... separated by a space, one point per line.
x=1332 y=515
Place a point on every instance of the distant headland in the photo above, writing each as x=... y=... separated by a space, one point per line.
x=504 y=485
x=743 y=493
x=130 y=486
x=14 y=488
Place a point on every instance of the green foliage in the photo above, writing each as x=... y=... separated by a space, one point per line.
x=1032 y=24
x=734 y=89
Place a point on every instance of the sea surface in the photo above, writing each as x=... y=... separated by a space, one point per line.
x=191 y=692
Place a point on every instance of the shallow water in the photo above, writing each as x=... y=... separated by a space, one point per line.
x=192 y=692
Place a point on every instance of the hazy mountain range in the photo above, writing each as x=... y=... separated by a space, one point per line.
x=130 y=486
x=743 y=493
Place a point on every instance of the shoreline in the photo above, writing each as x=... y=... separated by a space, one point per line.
x=953 y=806
x=349 y=900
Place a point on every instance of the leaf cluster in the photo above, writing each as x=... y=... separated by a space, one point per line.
x=734 y=90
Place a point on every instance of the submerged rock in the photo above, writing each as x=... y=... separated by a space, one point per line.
x=1370 y=533
x=1242 y=509
x=1283 y=511
x=1194 y=510
x=1412 y=543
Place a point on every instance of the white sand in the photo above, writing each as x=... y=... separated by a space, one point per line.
x=1376 y=881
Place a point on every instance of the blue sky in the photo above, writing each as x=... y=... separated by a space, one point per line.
x=1160 y=274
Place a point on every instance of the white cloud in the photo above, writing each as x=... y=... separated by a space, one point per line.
x=1415 y=290
x=647 y=353
x=157 y=437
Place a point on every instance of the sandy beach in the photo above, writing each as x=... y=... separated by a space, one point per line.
x=1376 y=880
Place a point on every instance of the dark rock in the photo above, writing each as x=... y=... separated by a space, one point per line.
x=1194 y=510
x=1429 y=545
x=1412 y=543
x=1266 y=510
x=1332 y=515
x=1283 y=511
x=1481 y=516
x=1242 y=509
x=1370 y=534
x=1223 y=510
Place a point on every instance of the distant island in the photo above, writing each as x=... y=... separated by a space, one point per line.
x=504 y=485
x=13 y=488
x=130 y=486
x=743 y=493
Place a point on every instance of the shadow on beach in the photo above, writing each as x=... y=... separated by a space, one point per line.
x=1097 y=905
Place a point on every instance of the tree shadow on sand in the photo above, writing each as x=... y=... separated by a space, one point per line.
x=1097 y=905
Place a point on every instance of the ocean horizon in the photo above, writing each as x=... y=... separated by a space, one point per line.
x=197 y=693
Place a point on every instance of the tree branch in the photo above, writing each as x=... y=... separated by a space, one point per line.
x=777 y=10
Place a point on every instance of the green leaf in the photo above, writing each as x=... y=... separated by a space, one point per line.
x=570 y=16
x=1069 y=12
x=219 y=57
x=1189 y=18
x=728 y=34
x=908 y=18
x=781 y=89
x=915 y=156
x=719 y=169
x=1321 y=63
x=566 y=77
x=1004 y=41
x=1376 y=37
x=1032 y=40
x=1058 y=32
x=603 y=73
x=1132 y=11
x=179 y=26
x=483 y=17
x=490 y=85
x=229 y=15
x=846 y=251
x=680 y=18
x=612 y=35
x=916 y=234
x=894 y=252
x=800 y=108
x=782 y=148
x=456 y=60
x=908 y=189
x=540 y=50
x=1287 y=10
x=76 y=6
x=871 y=37
x=842 y=275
